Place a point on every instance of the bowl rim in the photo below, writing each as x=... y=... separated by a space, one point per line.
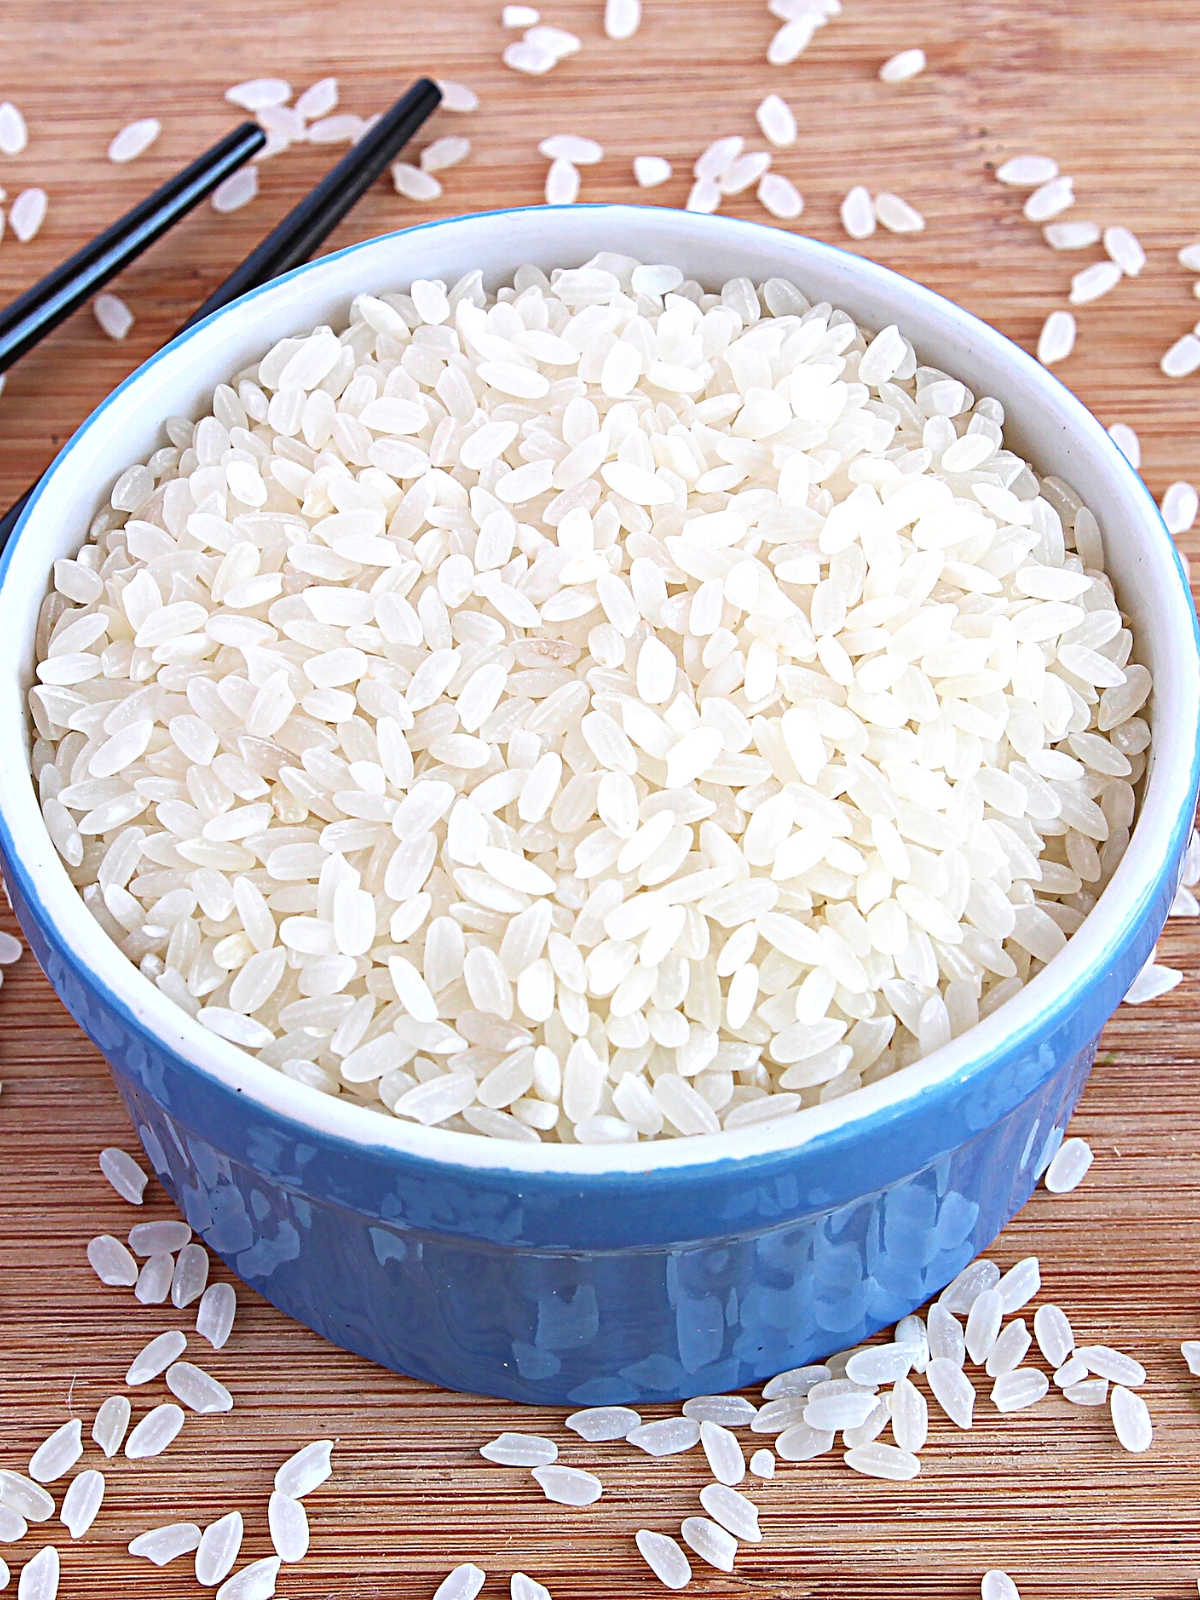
x=1163 y=822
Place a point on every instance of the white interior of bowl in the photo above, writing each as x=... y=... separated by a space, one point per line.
x=1046 y=423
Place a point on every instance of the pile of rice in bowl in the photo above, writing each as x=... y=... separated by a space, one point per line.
x=598 y=711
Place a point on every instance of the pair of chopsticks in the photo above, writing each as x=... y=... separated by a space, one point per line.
x=34 y=314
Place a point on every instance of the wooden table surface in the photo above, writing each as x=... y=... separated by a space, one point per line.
x=1109 y=87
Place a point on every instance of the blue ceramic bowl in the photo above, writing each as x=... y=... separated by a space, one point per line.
x=579 y=1275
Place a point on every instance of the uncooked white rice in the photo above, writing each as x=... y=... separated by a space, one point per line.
x=237 y=190
x=1094 y=281
x=456 y=96
x=780 y=196
x=568 y=1486
x=520 y=1450
x=562 y=183
x=723 y=1453
x=1028 y=172
x=149 y=1238
x=414 y=183
x=597 y=957
x=1071 y=235
x=155 y=1279
x=305 y=1471
x=123 y=1172
x=1125 y=248
x=735 y=1512
x=81 y=1502
x=447 y=151
x=1182 y=358
x=603 y=1422
x=258 y=93
x=134 y=139
x=1191 y=1354
x=573 y=147
x=155 y=1357
x=112 y=314
x=190 y=1276
x=1131 y=1419
x=1114 y=1365
x=622 y=18
x=39 y=1577
x=1180 y=505
x=897 y=215
x=288 y=1522
x=112 y=1421
x=1050 y=199
x=318 y=100
x=341 y=129
x=464 y=1583
x=665 y=1558
x=710 y=1541
x=1127 y=442
x=1069 y=1167
x=777 y=120
x=58 y=1453
x=1057 y=338
x=218 y=1548
x=164 y=1544
x=198 y=1389
x=903 y=66
x=14 y=135
x=154 y=1432
x=997 y=1585
x=650 y=171
x=254 y=1582
x=791 y=40
x=111 y=1261
x=858 y=213
x=27 y=213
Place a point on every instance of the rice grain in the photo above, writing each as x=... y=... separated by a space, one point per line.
x=112 y=1421
x=1069 y=1167
x=14 y=135
x=903 y=66
x=112 y=314
x=161 y=1545
x=156 y=1430
x=218 y=1548
x=305 y=1471
x=288 y=1523
x=711 y=1542
x=112 y=1262
x=1131 y=1419
x=236 y=191
x=215 y=1314
x=27 y=213
x=464 y=1583
x=650 y=171
x=81 y=1502
x=134 y=139
x=39 y=1577
x=568 y=1486
x=155 y=1357
x=58 y=1453
x=665 y=1558
x=1057 y=339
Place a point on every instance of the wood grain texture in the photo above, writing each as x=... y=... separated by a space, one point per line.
x=1107 y=86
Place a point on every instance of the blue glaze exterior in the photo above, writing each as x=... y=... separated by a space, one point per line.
x=619 y=1288
x=668 y=1272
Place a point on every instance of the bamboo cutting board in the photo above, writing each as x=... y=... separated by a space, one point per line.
x=1109 y=88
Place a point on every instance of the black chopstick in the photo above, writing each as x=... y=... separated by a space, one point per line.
x=32 y=315
x=305 y=226
x=318 y=214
